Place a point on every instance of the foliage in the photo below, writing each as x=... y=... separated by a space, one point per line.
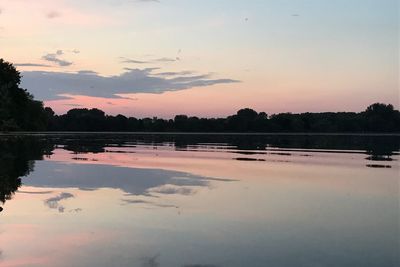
x=16 y=160
x=377 y=118
x=18 y=109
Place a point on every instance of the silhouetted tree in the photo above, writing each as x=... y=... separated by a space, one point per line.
x=18 y=109
x=181 y=123
x=17 y=155
x=382 y=118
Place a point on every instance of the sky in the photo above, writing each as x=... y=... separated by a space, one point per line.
x=149 y=58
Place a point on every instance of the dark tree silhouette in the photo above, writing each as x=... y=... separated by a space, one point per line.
x=17 y=155
x=377 y=118
x=380 y=117
x=18 y=109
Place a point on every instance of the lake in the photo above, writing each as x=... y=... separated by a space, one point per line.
x=199 y=200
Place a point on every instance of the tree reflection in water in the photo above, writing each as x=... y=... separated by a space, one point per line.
x=18 y=153
x=17 y=156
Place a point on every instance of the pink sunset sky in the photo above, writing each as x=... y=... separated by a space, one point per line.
x=204 y=58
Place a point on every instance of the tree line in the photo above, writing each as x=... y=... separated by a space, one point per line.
x=376 y=118
x=20 y=112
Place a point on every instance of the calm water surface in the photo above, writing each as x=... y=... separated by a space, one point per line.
x=197 y=201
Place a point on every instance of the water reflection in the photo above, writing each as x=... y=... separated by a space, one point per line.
x=378 y=166
x=54 y=202
x=17 y=155
x=145 y=182
x=83 y=143
x=199 y=201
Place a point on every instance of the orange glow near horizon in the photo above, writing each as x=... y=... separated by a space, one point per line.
x=218 y=100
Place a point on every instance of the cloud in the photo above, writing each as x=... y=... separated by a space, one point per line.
x=146 y=69
x=54 y=58
x=87 y=72
x=35 y=192
x=171 y=73
x=148 y=203
x=165 y=59
x=73 y=105
x=151 y=261
x=136 y=201
x=76 y=210
x=150 y=61
x=31 y=65
x=169 y=189
x=53 y=203
x=46 y=85
x=53 y=15
x=157 y=1
x=134 y=61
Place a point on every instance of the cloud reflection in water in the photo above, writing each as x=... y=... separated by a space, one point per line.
x=144 y=182
x=54 y=202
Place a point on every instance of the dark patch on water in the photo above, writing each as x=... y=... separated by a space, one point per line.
x=379 y=166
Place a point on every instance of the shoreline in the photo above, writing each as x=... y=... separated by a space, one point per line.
x=197 y=133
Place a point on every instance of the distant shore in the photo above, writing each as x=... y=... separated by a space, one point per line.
x=66 y=133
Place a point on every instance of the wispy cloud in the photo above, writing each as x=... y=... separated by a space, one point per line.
x=55 y=58
x=53 y=15
x=147 y=203
x=136 y=201
x=73 y=105
x=166 y=59
x=31 y=65
x=35 y=192
x=169 y=189
x=149 y=61
x=52 y=85
x=87 y=72
x=157 y=1
x=175 y=73
x=134 y=61
x=152 y=261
